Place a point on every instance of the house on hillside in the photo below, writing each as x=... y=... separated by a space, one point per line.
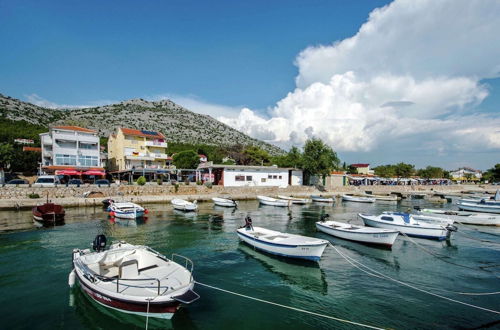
x=363 y=169
x=249 y=176
x=71 y=151
x=132 y=153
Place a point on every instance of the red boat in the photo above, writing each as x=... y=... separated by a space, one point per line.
x=48 y=213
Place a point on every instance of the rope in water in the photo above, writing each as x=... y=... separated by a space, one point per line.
x=442 y=258
x=373 y=272
x=290 y=307
x=474 y=238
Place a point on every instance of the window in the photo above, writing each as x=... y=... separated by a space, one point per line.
x=88 y=161
x=269 y=176
x=275 y=176
x=249 y=178
x=240 y=178
x=263 y=180
x=280 y=177
x=88 y=145
x=387 y=218
x=65 y=159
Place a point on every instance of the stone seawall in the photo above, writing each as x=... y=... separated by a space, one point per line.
x=12 y=197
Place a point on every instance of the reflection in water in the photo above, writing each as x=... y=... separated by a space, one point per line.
x=306 y=275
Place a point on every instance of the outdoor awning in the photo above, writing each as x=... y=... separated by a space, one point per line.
x=68 y=172
x=94 y=172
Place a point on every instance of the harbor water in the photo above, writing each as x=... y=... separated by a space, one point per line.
x=35 y=262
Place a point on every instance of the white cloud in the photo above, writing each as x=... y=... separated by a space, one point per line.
x=410 y=78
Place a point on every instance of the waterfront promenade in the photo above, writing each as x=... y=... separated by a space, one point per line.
x=12 y=198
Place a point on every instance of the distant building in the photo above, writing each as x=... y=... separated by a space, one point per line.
x=70 y=150
x=137 y=150
x=24 y=141
x=250 y=176
x=466 y=174
x=362 y=168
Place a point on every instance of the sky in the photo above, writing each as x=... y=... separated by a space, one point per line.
x=415 y=81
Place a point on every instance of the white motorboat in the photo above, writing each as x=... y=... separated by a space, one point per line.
x=294 y=200
x=367 y=235
x=404 y=223
x=184 y=205
x=283 y=244
x=322 y=199
x=358 y=199
x=126 y=210
x=479 y=207
x=264 y=200
x=133 y=279
x=427 y=218
x=469 y=218
x=224 y=202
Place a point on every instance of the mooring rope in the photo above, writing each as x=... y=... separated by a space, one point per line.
x=289 y=307
x=353 y=262
x=477 y=239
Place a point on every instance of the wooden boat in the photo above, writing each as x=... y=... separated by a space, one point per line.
x=404 y=223
x=184 y=205
x=469 y=218
x=479 y=207
x=224 y=202
x=264 y=200
x=48 y=213
x=126 y=210
x=367 y=235
x=283 y=244
x=427 y=218
x=358 y=199
x=133 y=279
x=322 y=199
x=294 y=200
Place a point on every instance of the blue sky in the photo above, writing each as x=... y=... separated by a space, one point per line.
x=281 y=71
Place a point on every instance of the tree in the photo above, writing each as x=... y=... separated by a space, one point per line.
x=6 y=155
x=431 y=172
x=293 y=158
x=493 y=174
x=319 y=158
x=404 y=170
x=256 y=156
x=385 y=171
x=186 y=159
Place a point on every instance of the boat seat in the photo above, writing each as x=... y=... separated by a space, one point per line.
x=129 y=269
x=275 y=237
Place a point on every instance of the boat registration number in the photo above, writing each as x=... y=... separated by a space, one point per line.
x=380 y=235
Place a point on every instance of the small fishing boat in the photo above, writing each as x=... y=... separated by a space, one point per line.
x=367 y=235
x=224 y=202
x=428 y=218
x=404 y=223
x=469 y=218
x=358 y=199
x=386 y=198
x=479 y=207
x=133 y=279
x=264 y=200
x=283 y=244
x=126 y=210
x=322 y=199
x=184 y=205
x=294 y=200
x=48 y=213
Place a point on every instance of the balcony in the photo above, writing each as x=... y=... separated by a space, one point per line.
x=158 y=155
x=156 y=144
x=138 y=156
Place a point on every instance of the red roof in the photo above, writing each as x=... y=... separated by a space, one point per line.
x=75 y=128
x=143 y=133
x=360 y=165
x=202 y=156
x=32 y=149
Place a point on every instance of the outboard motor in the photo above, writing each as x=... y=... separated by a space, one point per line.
x=418 y=208
x=324 y=217
x=99 y=243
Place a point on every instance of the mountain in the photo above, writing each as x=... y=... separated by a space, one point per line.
x=176 y=122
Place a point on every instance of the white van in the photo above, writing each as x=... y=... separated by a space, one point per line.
x=47 y=181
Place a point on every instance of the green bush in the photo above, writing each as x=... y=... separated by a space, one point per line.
x=208 y=185
x=159 y=181
x=199 y=183
x=176 y=187
x=186 y=182
x=34 y=196
x=141 y=181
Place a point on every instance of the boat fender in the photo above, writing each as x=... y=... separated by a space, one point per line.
x=99 y=243
x=111 y=214
x=72 y=279
x=146 y=211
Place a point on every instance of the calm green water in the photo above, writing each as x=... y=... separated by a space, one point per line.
x=35 y=262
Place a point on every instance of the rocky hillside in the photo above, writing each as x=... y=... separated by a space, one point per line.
x=176 y=122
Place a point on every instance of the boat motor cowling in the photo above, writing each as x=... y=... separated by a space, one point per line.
x=99 y=243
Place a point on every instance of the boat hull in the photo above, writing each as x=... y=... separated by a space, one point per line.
x=224 y=202
x=482 y=219
x=322 y=200
x=307 y=252
x=357 y=199
x=414 y=231
x=128 y=215
x=185 y=208
x=164 y=310
x=486 y=208
x=273 y=202
x=376 y=238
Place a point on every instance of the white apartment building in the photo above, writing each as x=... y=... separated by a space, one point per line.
x=71 y=150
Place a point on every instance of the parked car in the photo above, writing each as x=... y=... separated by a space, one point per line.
x=17 y=181
x=77 y=182
x=102 y=182
x=47 y=181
